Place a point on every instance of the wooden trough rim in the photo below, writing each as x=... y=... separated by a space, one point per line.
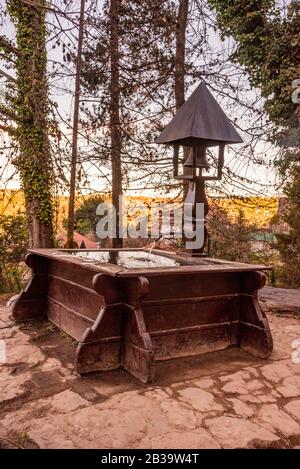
x=113 y=270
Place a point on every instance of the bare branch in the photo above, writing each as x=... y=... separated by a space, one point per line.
x=6 y=75
x=6 y=45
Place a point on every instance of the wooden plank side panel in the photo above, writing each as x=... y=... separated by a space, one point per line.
x=67 y=320
x=71 y=271
x=84 y=301
x=191 y=343
x=180 y=330
x=194 y=285
x=174 y=315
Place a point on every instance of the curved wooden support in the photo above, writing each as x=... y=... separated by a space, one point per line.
x=100 y=346
x=118 y=336
x=138 y=354
x=254 y=335
x=31 y=303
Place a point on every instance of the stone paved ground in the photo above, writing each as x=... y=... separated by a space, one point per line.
x=222 y=400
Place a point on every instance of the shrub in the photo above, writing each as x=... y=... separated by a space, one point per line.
x=13 y=246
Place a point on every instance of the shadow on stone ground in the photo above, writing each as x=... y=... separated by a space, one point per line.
x=225 y=399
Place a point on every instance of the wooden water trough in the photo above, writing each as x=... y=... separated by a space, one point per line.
x=129 y=308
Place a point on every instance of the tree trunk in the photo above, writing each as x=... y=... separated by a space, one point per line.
x=181 y=24
x=31 y=107
x=40 y=234
x=115 y=118
x=70 y=237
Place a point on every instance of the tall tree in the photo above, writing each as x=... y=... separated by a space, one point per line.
x=128 y=77
x=181 y=25
x=267 y=46
x=27 y=110
x=74 y=157
x=115 y=128
x=180 y=71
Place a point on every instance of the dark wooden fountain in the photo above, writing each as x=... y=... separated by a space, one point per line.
x=128 y=308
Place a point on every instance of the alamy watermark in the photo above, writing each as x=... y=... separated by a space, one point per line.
x=2 y=91
x=2 y=352
x=296 y=351
x=153 y=221
x=296 y=92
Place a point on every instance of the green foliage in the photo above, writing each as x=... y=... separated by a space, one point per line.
x=235 y=241
x=30 y=105
x=85 y=216
x=230 y=241
x=13 y=246
x=267 y=47
x=289 y=243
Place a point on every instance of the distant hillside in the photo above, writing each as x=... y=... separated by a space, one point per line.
x=261 y=211
x=11 y=202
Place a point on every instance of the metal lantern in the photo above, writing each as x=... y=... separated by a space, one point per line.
x=199 y=125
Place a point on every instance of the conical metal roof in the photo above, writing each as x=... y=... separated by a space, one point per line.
x=200 y=118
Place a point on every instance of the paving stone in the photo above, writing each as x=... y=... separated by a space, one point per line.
x=14 y=336
x=266 y=398
x=24 y=353
x=276 y=372
x=241 y=409
x=12 y=385
x=293 y=408
x=8 y=333
x=235 y=387
x=89 y=428
x=275 y=394
x=149 y=410
x=238 y=376
x=233 y=432
x=119 y=422
x=20 y=419
x=250 y=398
x=200 y=400
x=5 y=314
x=290 y=387
x=181 y=440
x=254 y=385
x=158 y=395
x=50 y=437
x=52 y=364
x=67 y=401
x=179 y=416
x=277 y=419
x=204 y=383
x=241 y=383
x=253 y=371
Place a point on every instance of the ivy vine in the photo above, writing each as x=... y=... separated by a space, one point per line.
x=30 y=104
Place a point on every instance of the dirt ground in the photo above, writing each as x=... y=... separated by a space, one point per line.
x=226 y=399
